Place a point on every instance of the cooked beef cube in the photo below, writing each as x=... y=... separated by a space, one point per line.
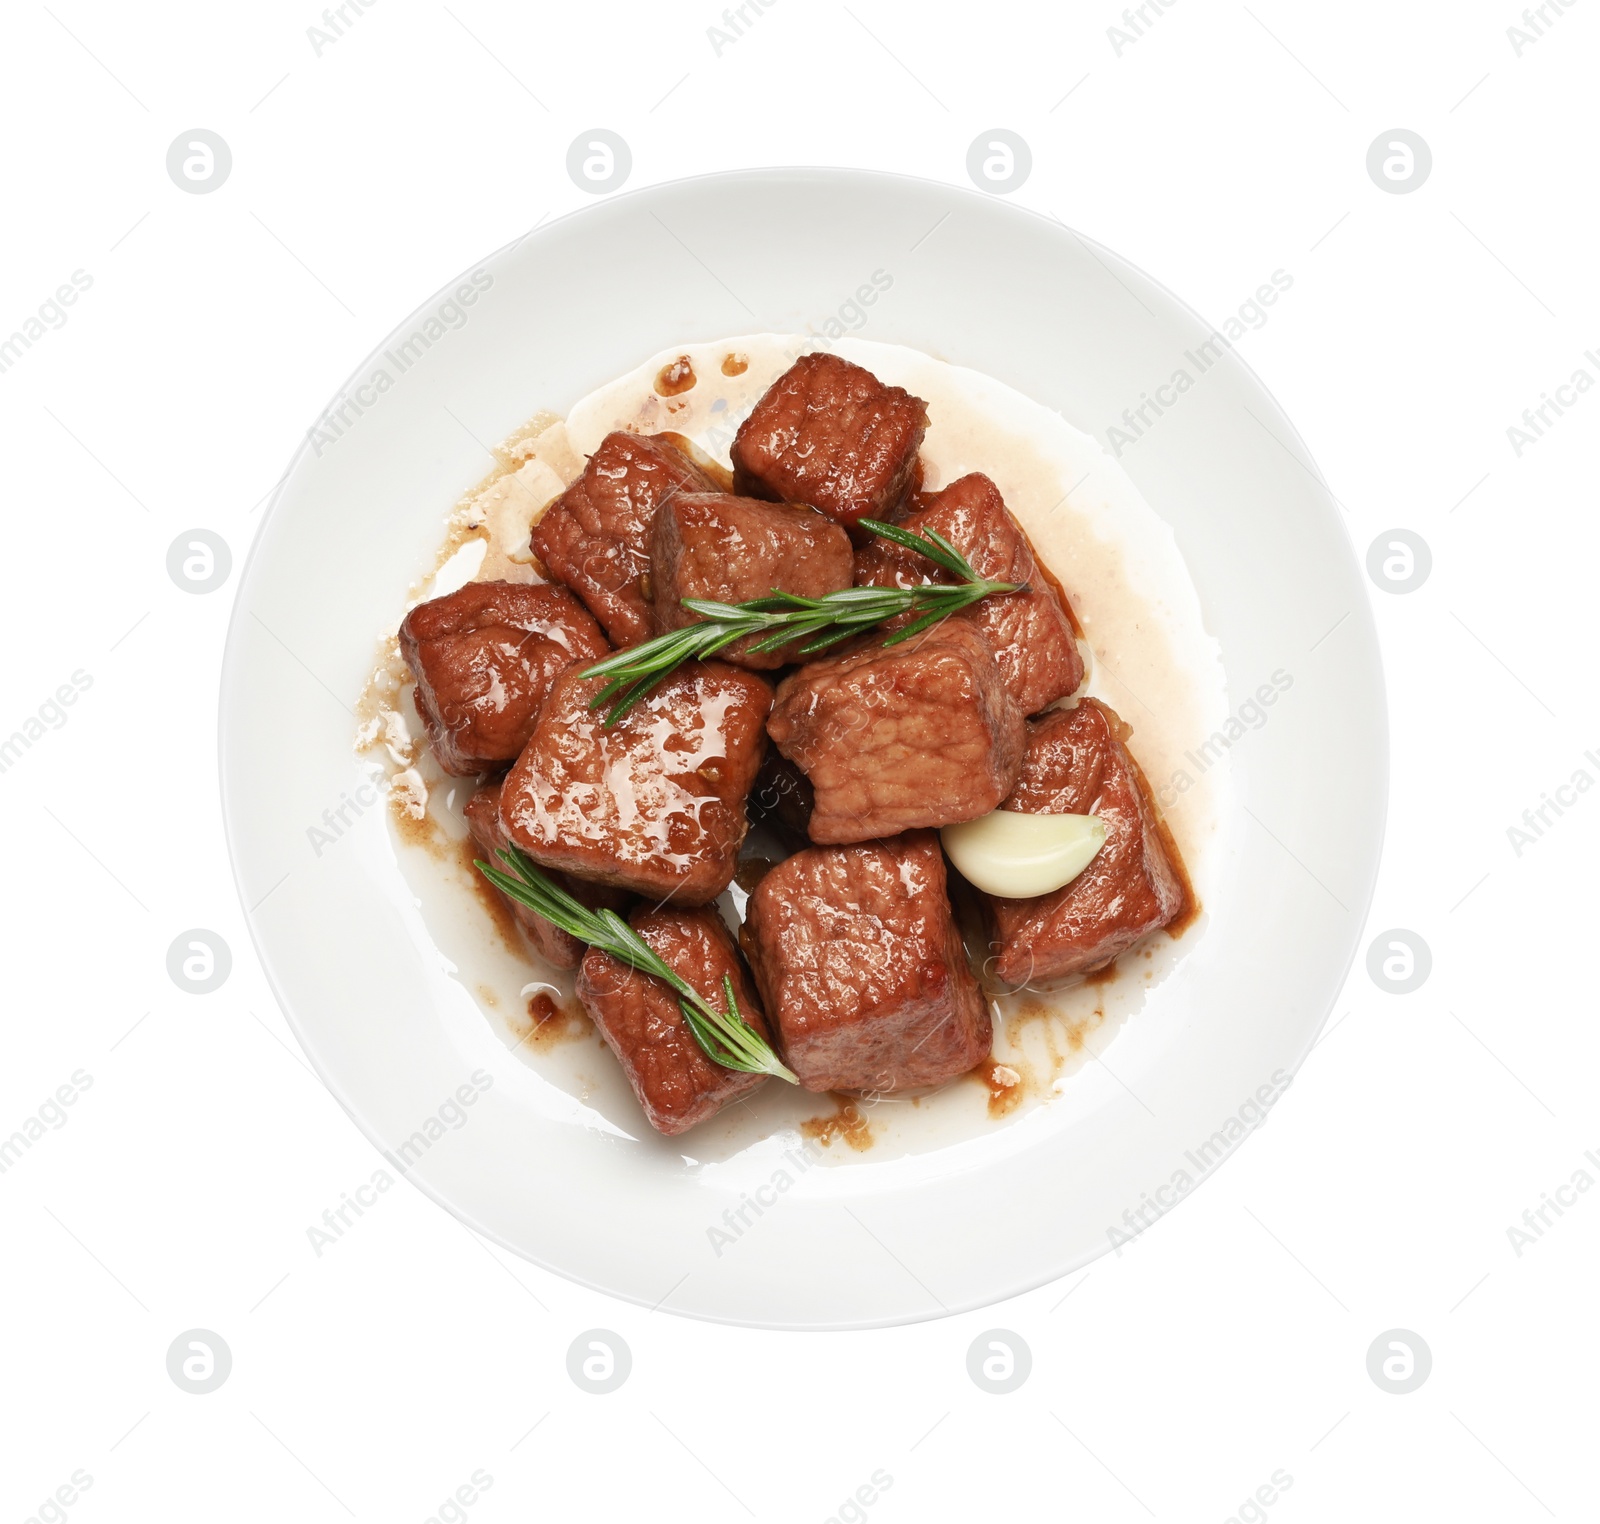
x=639 y=1016
x=484 y=658
x=783 y=798
x=595 y=537
x=862 y=968
x=1033 y=638
x=893 y=737
x=552 y=944
x=831 y=434
x=654 y=803
x=733 y=549
x=1076 y=764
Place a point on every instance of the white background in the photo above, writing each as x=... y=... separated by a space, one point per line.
x=1228 y=1343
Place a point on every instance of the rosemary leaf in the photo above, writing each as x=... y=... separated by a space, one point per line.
x=782 y=619
x=724 y=1036
x=942 y=553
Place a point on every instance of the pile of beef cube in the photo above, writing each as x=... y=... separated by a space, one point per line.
x=850 y=959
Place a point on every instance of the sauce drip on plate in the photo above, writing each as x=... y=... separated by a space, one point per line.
x=676 y=377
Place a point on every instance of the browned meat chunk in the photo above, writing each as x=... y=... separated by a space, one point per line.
x=917 y=734
x=1033 y=639
x=654 y=804
x=484 y=658
x=733 y=549
x=862 y=969
x=677 y=1084
x=831 y=434
x=550 y=942
x=1076 y=764
x=595 y=537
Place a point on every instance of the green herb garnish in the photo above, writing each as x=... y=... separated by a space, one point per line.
x=786 y=617
x=725 y=1036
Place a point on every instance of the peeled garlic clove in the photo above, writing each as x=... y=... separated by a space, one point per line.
x=1018 y=856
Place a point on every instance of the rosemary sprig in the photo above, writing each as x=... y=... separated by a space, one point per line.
x=784 y=618
x=725 y=1036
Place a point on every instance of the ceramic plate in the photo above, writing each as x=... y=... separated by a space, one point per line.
x=776 y=1232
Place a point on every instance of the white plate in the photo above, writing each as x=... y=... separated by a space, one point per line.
x=402 y=1044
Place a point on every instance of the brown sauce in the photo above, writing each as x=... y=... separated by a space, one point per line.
x=1064 y=1039
x=423 y=832
x=553 y=1025
x=847 y=1122
x=1076 y=1032
x=490 y=898
x=735 y=364
x=675 y=378
x=1004 y=1084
